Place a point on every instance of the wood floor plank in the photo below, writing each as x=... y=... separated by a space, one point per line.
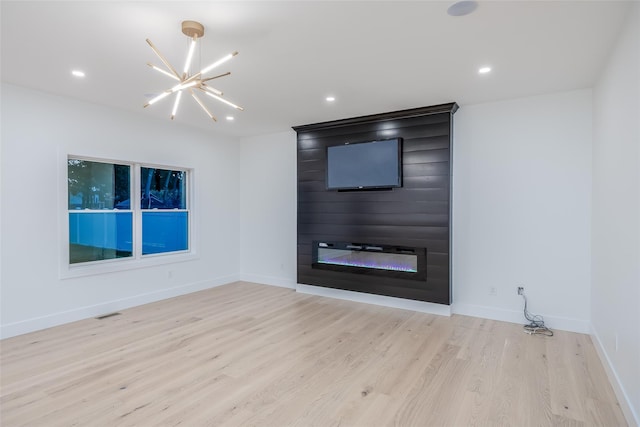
x=536 y=384
x=253 y=355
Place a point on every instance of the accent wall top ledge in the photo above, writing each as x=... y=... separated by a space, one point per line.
x=451 y=107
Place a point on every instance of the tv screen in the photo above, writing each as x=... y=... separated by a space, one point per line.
x=365 y=165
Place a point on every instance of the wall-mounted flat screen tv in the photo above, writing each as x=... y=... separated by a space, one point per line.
x=365 y=165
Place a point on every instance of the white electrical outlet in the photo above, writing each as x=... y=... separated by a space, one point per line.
x=493 y=291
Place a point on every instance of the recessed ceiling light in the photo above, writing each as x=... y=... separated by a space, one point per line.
x=330 y=98
x=462 y=8
x=484 y=70
x=230 y=118
x=77 y=73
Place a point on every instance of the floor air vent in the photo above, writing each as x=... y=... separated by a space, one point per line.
x=104 y=316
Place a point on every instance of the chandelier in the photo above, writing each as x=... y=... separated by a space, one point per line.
x=193 y=84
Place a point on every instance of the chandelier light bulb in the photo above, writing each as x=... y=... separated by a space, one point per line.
x=218 y=62
x=213 y=90
x=181 y=86
x=204 y=107
x=166 y=73
x=190 y=55
x=225 y=101
x=175 y=105
x=158 y=98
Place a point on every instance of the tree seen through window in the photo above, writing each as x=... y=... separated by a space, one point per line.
x=162 y=188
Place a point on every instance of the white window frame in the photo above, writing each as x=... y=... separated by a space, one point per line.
x=137 y=260
x=138 y=218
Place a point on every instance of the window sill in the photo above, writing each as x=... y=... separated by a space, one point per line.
x=118 y=265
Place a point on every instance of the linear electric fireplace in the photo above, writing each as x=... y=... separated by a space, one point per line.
x=364 y=258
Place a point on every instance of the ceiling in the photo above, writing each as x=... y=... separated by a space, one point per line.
x=374 y=56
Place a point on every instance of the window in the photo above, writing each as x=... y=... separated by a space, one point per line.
x=100 y=227
x=104 y=224
x=165 y=219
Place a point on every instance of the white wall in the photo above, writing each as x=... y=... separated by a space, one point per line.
x=522 y=197
x=615 y=308
x=268 y=206
x=522 y=201
x=38 y=130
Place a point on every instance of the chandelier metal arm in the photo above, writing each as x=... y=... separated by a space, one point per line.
x=204 y=107
x=228 y=73
x=166 y=73
x=177 y=88
x=211 y=89
x=237 y=107
x=162 y=58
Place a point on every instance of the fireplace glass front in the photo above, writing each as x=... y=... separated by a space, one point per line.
x=371 y=259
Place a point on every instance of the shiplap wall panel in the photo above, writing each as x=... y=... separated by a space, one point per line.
x=415 y=215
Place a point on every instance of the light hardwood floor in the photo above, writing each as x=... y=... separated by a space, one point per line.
x=254 y=355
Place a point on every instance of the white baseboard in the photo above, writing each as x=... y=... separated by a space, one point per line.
x=516 y=316
x=632 y=417
x=268 y=280
x=35 y=324
x=406 y=304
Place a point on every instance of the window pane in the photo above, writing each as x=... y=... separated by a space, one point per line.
x=163 y=189
x=164 y=232
x=99 y=236
x=95 y=185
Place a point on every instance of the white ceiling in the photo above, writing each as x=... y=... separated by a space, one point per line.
x=374 y=56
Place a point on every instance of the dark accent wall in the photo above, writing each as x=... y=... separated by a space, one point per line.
x=415 y=215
